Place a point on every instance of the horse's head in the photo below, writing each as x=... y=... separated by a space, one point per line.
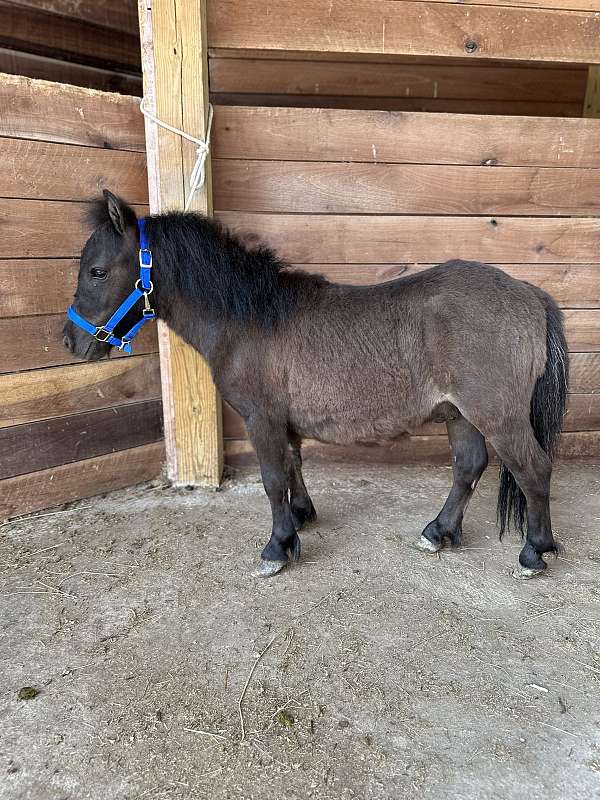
x=107 y=272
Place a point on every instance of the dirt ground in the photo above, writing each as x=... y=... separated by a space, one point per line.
x=392 y=674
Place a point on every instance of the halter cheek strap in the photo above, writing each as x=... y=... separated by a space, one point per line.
x=143 y=288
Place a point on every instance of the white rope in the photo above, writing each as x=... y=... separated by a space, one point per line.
x=198 y=174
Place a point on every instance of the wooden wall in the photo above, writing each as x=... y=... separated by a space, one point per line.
x=396 y=83
x=365 y=196
x=67 y=429
x=81 y=42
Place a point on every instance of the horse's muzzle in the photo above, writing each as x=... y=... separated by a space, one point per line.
x=82 y=345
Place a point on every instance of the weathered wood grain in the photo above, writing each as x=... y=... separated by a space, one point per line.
x=47 y=34
x=438 y=105
x=36 y=342
x=26 y=494
x=49 y=171
x=416 y=28
x=34 y=109
x=294 y=134
x=119 y=15
x=59 y=391
x=342 y=188
x=585 y=373
x=62 y=440
x=176 y=78
x=318 y=238
x=44 y=228
x=53 y=69
x=473 y=81
x=36 y=286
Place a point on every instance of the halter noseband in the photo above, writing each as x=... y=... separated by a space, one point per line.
x=143 y=288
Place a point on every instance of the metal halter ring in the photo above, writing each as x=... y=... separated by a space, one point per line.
x=144 y=290
x=107 y=334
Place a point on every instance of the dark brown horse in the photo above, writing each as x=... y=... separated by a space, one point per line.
x=299 y=357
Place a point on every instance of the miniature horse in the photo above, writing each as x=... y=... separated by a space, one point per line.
x=299 y=357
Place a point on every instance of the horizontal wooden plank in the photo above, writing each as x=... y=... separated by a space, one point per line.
x=36 y=342
x=76 y=172
x=384 y=58
x=418 y=28
x=50 y=443
x=473 y=81
x=584 y=374
x=291 y=134
x=34 y=109
x=319 y=238
x=565 y=5
x=44 y=228
x=60 y=391
x=583 y=415
x=34 y=286
x=27 y=494
x=47 y=34
x=53 y=69
x=583 y=330
x=119 y=15
x=342 y=188
x=438 y=105
x=571 y=285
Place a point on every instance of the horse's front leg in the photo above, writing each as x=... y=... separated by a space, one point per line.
x=271 y=444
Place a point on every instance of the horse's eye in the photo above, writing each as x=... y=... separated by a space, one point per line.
x=99 y=274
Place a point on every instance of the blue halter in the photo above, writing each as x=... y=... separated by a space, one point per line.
x=143 y=288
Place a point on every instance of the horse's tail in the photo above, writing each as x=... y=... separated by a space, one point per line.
x=548 y=403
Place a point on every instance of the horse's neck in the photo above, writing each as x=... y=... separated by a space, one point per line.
x=196 y=327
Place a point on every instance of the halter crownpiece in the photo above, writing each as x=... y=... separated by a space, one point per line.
x=143 y=288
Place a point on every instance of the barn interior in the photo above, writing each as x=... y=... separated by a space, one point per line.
x=364 y=140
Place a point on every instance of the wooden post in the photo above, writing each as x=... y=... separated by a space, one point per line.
x=591 y=106
x=174 y=60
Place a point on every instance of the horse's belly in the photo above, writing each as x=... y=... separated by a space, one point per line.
x=355 y=429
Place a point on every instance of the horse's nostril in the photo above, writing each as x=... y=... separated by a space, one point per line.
x=68 y=343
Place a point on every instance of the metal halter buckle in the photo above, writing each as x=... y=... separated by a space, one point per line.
x=123 y=345
x=142 y=262
x=100 y=330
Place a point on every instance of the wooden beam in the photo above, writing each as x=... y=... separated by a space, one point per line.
x=362 y=239
x=27 y=493
x=174 y=60
x=294 y=134
x=591 y=105
x=34 y=109
x=411 y=28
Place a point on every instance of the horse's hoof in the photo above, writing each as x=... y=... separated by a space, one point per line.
x=426 y=545
x=521 y=573
x=267 y=568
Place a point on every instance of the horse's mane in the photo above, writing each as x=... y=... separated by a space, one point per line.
x=201 y=260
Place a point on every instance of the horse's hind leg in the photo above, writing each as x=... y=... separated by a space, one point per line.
x=271 y=444
x=303 y=510
x=531 y=467
x=469 y=460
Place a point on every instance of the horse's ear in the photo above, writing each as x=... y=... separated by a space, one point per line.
x=120 y=214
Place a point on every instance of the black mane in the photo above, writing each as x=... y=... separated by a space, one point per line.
x=197 y=258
